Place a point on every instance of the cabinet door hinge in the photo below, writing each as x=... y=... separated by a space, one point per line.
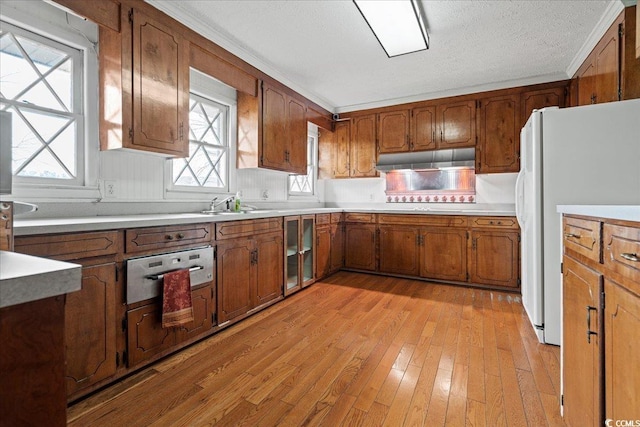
x=261 y=159
x=518 y=237
x=602 y=300
x=215 y=253
x=130 y=133
x=124 y=324
x=562 y=400
x=519 y=281
x=620 y=30
x=116 y=268
x=561 y=267
x=131 y=16
x=619 y=94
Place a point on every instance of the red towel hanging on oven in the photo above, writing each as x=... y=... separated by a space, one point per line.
x=176 y=299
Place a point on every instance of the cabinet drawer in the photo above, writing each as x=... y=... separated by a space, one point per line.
x=429 y=220
x=142 y=239
x=322 y=219
x=582 y=236
x=67 y=247
x=233 y=229
x=502 y=222
x=360 y=217
x=622 y=250
x=336 y=217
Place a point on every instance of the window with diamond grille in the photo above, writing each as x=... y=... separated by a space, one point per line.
x=41 y=86
x=303 y=185
x=207 y=164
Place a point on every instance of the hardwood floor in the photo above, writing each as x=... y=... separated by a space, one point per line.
x=353 y=350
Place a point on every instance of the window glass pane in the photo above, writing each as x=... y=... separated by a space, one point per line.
x=36 y=86
x=303 y=184
x=207 y=164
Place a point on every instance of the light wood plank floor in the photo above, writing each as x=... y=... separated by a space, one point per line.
x=353 y=350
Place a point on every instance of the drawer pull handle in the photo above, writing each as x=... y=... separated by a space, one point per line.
x=571 y=236
x=180 y=236
x=168 y=237
x=161 y=276
x=630 y=257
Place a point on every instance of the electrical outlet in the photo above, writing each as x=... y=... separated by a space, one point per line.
x=110 y=189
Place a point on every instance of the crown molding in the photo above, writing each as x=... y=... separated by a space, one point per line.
x=608 y=17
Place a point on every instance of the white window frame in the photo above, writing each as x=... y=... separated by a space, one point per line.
x=208 y=88
x=312 y=139
x=45 y=21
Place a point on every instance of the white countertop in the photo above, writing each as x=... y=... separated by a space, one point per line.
x=620 y=212
x=25 y=278
x=25 y=227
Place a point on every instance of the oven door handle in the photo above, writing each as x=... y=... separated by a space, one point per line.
x=161 y=276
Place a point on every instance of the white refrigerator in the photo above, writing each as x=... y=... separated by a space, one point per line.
x=581 y=155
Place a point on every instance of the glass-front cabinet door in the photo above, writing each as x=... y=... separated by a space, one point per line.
x=299 y=252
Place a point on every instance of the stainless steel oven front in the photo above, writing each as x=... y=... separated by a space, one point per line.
x=144 y=274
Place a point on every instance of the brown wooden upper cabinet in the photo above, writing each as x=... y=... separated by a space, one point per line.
x=333 y=151
x=611 y=72
x=393 y=131
x=284 y=131
x=456 y=124
x=498 y=148
x=362 y=146
x=148 y=66
x=540 y=98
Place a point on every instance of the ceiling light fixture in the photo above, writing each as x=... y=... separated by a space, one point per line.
x=397 y=24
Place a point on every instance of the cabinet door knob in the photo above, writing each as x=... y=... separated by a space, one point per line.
x=589 y=331
x=180 y=236
x=168 y=237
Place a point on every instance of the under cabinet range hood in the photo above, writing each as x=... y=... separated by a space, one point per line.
x=425 y=160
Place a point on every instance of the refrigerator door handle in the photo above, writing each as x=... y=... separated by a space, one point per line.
x=520 y=197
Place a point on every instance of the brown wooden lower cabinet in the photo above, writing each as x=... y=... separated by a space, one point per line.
x=250 y=274
x=398 y=249
x=581 y=291
x=90 y=328
x=323 y=250
x=443 y=254
x=337 y=247
x=494 y=258
x=146 y=336
x=601 y=321
x=360 y=246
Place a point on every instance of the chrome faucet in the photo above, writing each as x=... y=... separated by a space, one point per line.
x=215 y=203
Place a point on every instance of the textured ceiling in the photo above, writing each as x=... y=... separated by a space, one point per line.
x=325 y=50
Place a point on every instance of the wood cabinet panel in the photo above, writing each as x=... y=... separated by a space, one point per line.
x=297 y=134
x=202 y=315
x=246 y=228
x=428 y=220
x=166 y=238
x=399 y=250
x=423 y=128
x=537 y=99
x=342 y=149
x=494 y=258
x=360 y=246
x=323 y=250
x=67 y=247
x=583 y=237
x=622 y=352
x=337 y=247
x=160 y=87
x=498 y=148
x=581 y=351
x=443 y=254
x=32 y=364
x=235 y=274
x=621 y=247
x=145 y=336
x=393 y=131
x=90 y=329
x=606 y=55
x=362 y=148
x=586 y=76
x=359 y=217
x=457 y=124
x=269 y=274
x=274 y=128
x=497 y=222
